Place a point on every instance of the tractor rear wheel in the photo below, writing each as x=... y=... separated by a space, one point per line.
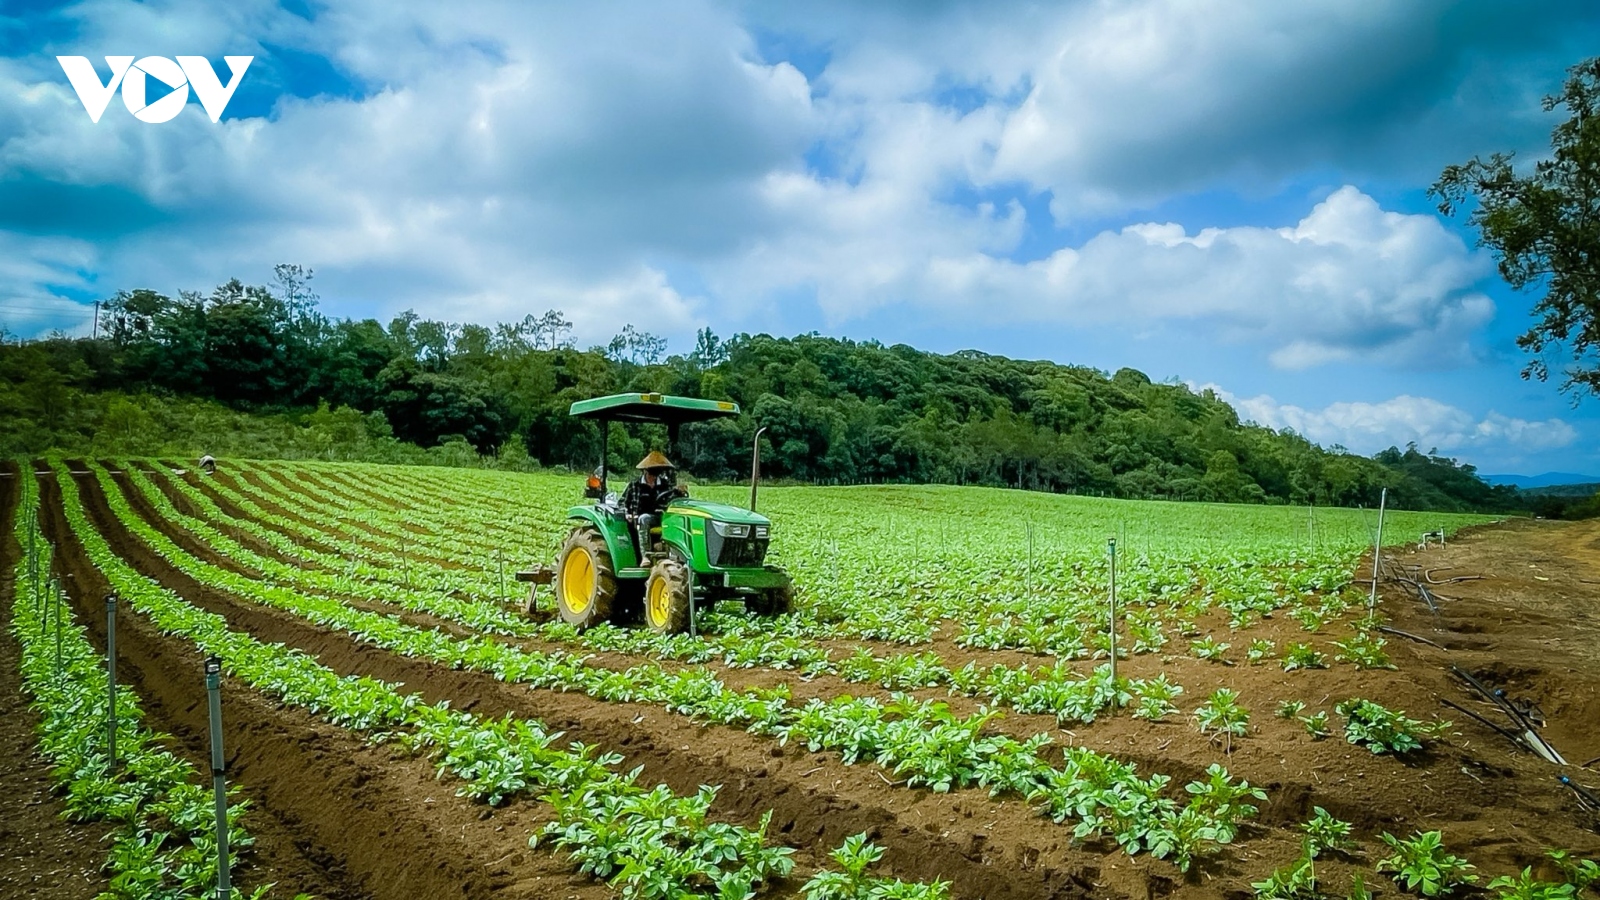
x=586 y=580
x=666 y=597
x=778 y=601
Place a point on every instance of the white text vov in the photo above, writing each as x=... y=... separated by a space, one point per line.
x=186 y=72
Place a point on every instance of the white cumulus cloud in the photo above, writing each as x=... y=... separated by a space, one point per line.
x=1349 y=279
x=1369 y=427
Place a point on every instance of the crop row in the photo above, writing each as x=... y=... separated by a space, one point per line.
x=1070 y=626
x=162 y=840
x=920 y=740
x=745 y=643
x=1057 y=690
x=868 y=584
x=637 y=848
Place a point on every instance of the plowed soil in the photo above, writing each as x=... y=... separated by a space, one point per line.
x=342 y=819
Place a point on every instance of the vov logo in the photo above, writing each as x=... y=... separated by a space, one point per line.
x=132 y=77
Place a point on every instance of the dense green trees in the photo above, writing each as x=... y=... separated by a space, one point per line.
x=835 y=411
x=1543 y=225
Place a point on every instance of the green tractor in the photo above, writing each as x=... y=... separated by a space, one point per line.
x=610 y=569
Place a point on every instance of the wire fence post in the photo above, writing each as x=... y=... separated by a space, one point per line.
x=219 y=785
x=405 y=559
x=1030 y=557
x=1111 y=546
x=1377 y=551
x=111 y=681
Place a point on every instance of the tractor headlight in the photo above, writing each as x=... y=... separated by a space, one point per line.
x=761 y=532
x=728 y=529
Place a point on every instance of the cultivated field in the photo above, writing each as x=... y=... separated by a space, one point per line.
x=399 y=727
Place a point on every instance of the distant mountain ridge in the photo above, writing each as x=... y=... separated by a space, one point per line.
x=1548 y=479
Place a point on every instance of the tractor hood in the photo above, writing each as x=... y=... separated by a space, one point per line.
x=720 y=512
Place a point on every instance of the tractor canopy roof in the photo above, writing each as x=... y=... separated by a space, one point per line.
x=653 y=408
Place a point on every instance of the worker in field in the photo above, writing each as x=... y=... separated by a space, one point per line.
x=648 y=495
x=208 y=464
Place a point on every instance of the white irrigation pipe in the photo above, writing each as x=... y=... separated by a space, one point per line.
x=1377 y=550
x=1111 y=545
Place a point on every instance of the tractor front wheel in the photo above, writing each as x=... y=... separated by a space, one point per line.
x=778 y=601
x=666 y=597
x=586 y=580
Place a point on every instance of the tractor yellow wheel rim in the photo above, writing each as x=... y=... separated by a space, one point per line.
x=577 y=581
x=659 y=603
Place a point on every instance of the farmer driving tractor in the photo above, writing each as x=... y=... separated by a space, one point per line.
x=653 y=553
x=647 y=496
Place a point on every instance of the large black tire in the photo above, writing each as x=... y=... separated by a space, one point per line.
x=666 y=597
x=778 y=601
x=586 y=579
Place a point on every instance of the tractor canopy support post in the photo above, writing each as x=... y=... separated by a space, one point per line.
x=605 y=442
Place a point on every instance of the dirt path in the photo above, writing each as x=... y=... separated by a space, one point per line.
x=1523 y=616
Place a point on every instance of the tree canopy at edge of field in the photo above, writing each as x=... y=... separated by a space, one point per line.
x=1543 y=228
x=259 y=371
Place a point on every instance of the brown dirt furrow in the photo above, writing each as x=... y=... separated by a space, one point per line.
x=162 y=478
x=264 y=496
x=345 y=492
x=989 y=848
x=332 y=816
x=204 y=552
x=46 y=856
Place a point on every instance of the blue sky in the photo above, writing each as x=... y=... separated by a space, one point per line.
x=1229 y=194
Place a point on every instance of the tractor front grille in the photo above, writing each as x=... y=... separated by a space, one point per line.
x=734 y=553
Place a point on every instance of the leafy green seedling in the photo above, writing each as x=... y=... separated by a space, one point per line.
x=1208 y=648
x=1222 y=716
x=1365 y=650
x=1316 y=725
x=1421 y=865
x=1260 y=651
x=1303 y=656
x=1327 y=833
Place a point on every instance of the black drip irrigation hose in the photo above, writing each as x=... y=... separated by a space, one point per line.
x=1538 y=744
x=1510 y=735
x=1585 y=796
x=1406 y=634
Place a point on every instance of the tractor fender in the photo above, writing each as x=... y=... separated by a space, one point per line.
x=612 y=527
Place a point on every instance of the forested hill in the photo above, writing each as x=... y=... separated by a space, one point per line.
x=836 y=411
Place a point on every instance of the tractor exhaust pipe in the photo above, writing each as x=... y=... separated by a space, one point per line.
x=755 y=466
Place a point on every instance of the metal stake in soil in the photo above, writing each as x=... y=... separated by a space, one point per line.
x=500 y=564
x=218 y=785
x=111 y=681
x=58 y=592
x=1111 y=545
x=1377 y=550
